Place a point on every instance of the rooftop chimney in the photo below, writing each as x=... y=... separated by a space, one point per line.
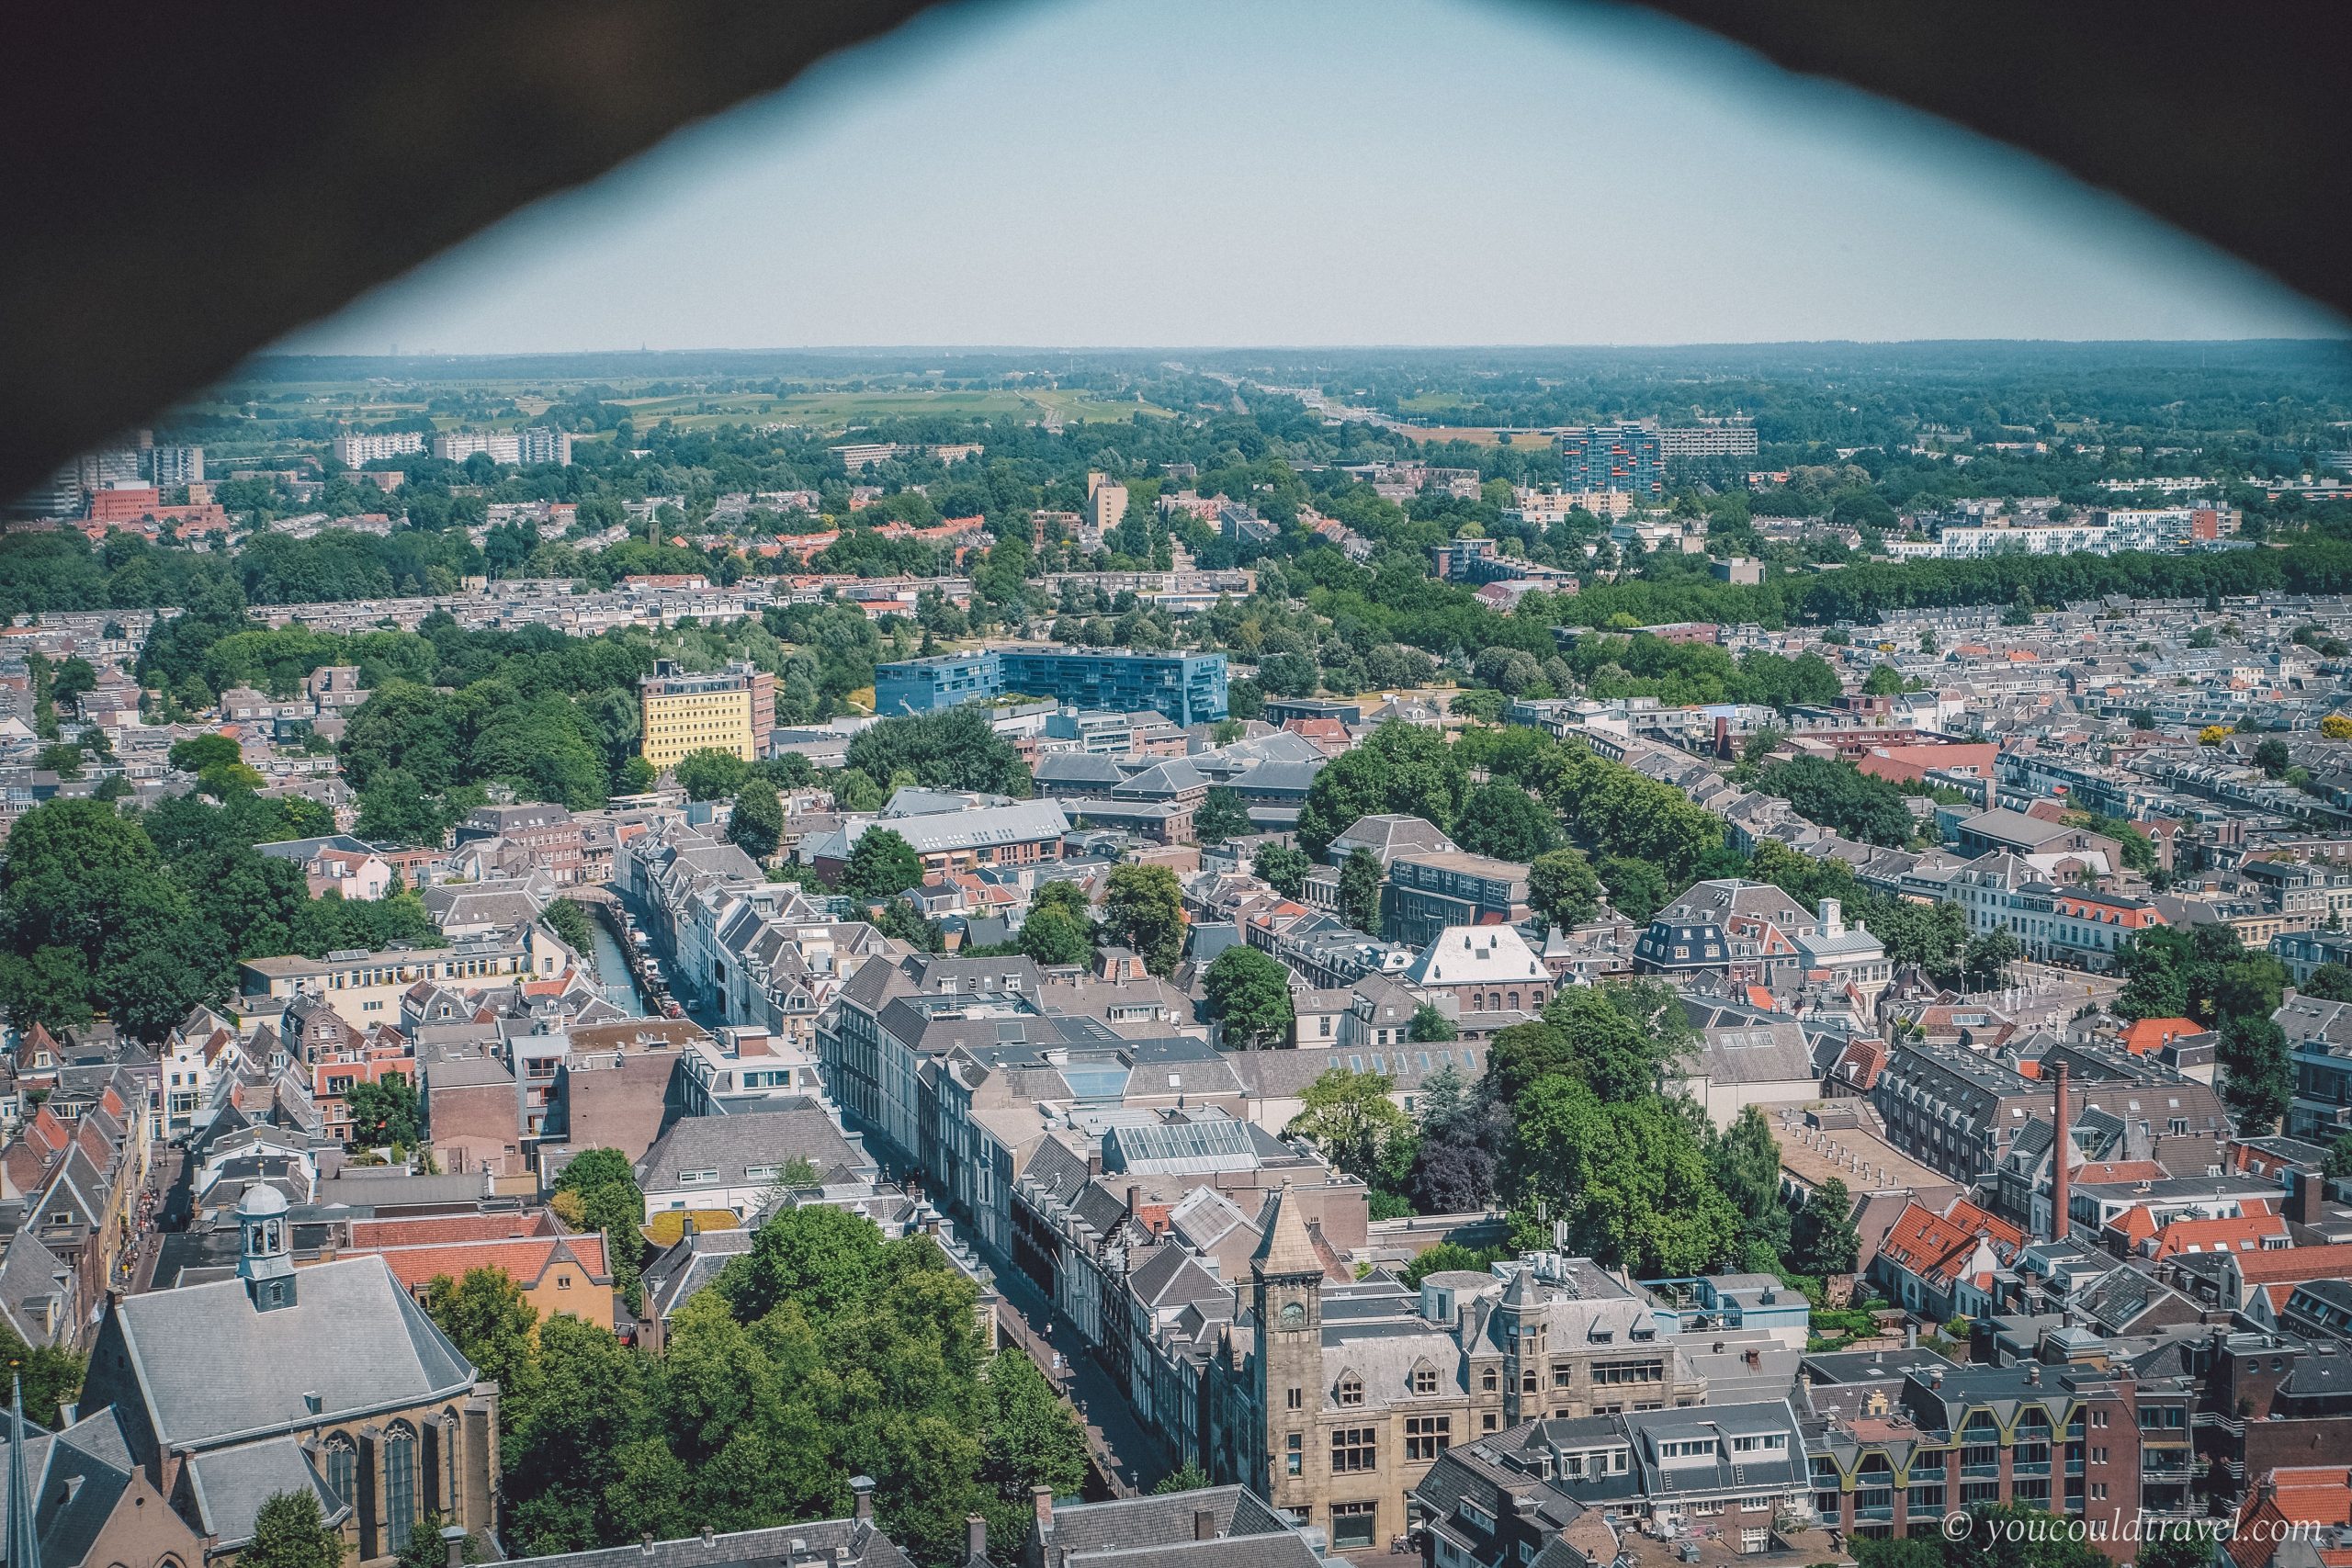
x=1203 y=1524
x=861 y=1491
x=976 y=1537
x=453 y=1545
x=1041 y=1498
x=2061 y=1144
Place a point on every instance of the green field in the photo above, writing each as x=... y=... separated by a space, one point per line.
x=823 y=412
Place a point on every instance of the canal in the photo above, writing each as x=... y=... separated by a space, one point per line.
x=612 y=967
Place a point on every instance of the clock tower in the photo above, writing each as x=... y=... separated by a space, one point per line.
x=1286 y=1298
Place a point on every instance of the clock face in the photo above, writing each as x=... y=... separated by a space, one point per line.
x=1293 y=1315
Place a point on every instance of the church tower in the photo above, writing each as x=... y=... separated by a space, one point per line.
x=264 y=1260
x=1286 y=1298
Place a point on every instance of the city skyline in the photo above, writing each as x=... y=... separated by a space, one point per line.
x=1008 y=175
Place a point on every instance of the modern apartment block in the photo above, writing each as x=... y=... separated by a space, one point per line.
x=170 y=468
x=1710 y=438
x=353 y=448
x=1613 y=457
x=1189 y=688
x=534 y=448
x=728 y=710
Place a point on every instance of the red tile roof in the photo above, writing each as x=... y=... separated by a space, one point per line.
x=1936 y=1246
x=2301 y=1495
x=2296 y=1264
x=525 y=1259
x=438 y=1229
x=2245 y=1234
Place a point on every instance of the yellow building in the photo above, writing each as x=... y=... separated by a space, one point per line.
x=731 y=710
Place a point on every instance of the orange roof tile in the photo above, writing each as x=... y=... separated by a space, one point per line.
x=524 y=1259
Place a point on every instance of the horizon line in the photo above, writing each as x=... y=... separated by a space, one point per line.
x=872 y=348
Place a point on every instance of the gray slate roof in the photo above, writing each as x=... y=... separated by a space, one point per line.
x=205 y=1366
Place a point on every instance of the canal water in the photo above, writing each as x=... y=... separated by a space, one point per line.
x=612 y=967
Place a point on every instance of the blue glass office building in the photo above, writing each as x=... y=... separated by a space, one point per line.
x=1189 y=688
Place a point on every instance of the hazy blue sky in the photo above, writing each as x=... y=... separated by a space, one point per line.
x=1232 y=171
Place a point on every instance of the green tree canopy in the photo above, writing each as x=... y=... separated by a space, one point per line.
x=756 y=825
x=1249 y=994
x=711 y=773
x=882 y=864
x=1143 y=911
x=290 y=1532
x=1347 y=1118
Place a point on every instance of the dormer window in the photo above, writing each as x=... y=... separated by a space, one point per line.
x=1350 y=1390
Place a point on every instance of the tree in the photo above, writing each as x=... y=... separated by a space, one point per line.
x=1885 y=681
x=1143 y=911
x=1053 y=935
x=2214 y=735
x=486 y=1315
x=882 y=864
x=1281 y=868
x=1562 y=889
x=570 y=922
x=956 y=748
x=2339 y=1158
x=1629 y=1180
x=1824 y=1239
x=199 y=752
x=51 y=1375
x=2257 y=1073
x=288 y=1532
x=1249 y=994
x=1399 y=768
x=756 y=826
x=1186 y=1477
x=710 y=773
x=1987 y=958
x=602 y=1185
x=1431 y=1026
x=425 y=1547
x=2336 y=726
x=2329 y=983
x=1347 y=1118
x=1501 y=819
x=818 y=1255
x=1746 y=1163
x=1839 y=796
x=2271 y=757
x=383 y=1112
x=1031 y=1439
x=1638 y=888
x=1221 y=816
x=1360 y=877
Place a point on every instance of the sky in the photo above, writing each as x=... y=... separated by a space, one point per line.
x=1214 y=173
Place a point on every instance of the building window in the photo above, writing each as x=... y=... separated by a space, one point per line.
x=343 y=1469
x=399 y=1484
x=1488 y=1381
x=1426 y=1437
x=1424 y=1380
x=1352 y=1525
x=1354 y=1448
x=1294 y=1454
x=1292 y=1397
x=1351 y=1390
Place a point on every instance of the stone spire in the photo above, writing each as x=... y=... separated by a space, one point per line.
x=24 y=1530
x=1287 y=1248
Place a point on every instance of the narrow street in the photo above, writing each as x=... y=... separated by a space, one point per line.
x=1127 y=1458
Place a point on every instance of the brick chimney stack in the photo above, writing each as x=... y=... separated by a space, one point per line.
x=2060 y=1147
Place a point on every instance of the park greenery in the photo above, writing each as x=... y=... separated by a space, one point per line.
x=140 y=916
x=823 y=1353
